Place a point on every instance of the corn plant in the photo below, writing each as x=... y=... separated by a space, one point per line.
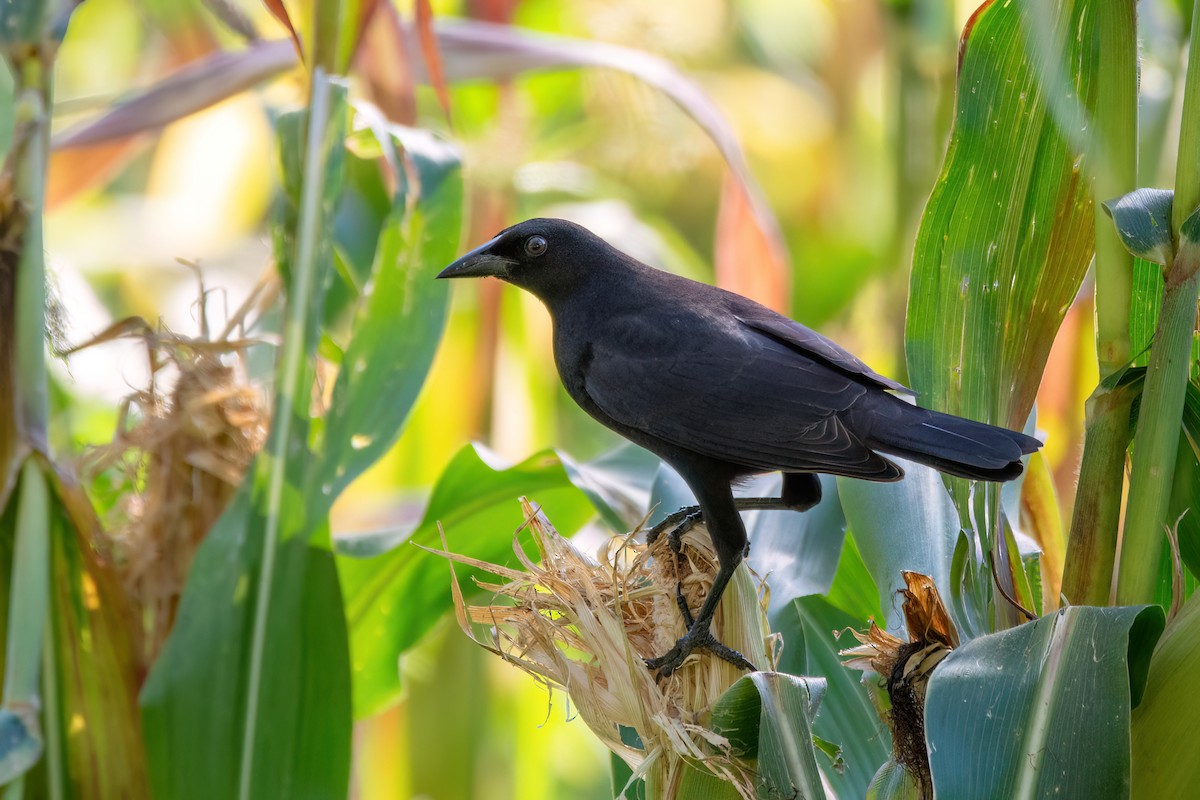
x=1011 y=648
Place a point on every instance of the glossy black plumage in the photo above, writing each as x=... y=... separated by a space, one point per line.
x=721 y=387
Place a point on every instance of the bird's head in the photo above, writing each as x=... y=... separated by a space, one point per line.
x=543 y=256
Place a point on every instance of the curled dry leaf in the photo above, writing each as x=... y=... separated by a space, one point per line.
x=906 y=667
x=280 y=12
x=586 y=626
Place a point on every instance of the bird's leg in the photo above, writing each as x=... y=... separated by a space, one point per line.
x=801 y=491
x=699 y=634
x=679 y=523
x=729 y=540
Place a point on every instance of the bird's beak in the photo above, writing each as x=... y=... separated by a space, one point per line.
x=479 y=263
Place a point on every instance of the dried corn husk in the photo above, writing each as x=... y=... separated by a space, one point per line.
x=906 y=667
x=178 y=455
x=586 y=626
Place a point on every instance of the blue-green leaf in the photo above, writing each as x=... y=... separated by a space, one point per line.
x=1143 y=221
x=907 y=525
x=1041 y=710
x=847 y=716
x=766 y=716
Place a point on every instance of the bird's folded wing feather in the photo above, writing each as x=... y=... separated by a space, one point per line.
x=809 y=342
x=738 y=397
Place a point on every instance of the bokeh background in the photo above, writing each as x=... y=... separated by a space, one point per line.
x=842 y=108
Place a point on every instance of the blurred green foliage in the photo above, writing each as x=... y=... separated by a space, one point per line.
x=843 y=110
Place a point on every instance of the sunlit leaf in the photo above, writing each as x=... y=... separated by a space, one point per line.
x=1004 y=712
x=854 y=590
x=432 y=54
x=1143 y=308
x=193 y=88
x=75 y=169
x=93 y=680
x=1008 y=231
x=749 y=260
x=395 y=591
x=97 y=668
x=384 y=67
x=359 y=15
x=473 y=50
x=469 y=50
x=1041 y=519
x=250 y=697
x=280 y=12
x=400 y=319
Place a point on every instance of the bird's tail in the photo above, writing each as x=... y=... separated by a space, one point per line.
x=953 y=445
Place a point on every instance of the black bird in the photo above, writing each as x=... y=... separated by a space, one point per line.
x=722 y=388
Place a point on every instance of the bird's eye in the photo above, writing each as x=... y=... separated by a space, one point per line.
x=535 y=246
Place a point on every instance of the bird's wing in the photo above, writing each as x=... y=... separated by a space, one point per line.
x=814 y=345
x=731 y=395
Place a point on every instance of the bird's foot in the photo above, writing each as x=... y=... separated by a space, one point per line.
x=697 y=638
x=678 y=524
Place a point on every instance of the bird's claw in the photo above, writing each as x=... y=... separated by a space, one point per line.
x=698 y=637
x=692 y=641
x=679 y=523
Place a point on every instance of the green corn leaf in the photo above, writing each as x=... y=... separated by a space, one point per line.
x=893 y=782
x=1008 y=231
x=401 y=315
x=28 y=613
x=907 y=525
x=250 y=696
x=766 y=716
x=848 y=716
x=1166 y=754
x=396 y=592
x=96 y=670
x=1042 y=709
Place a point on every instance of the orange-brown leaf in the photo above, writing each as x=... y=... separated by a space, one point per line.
x=749 y=259
x=279 y=11
x=384 y=63
x=924 y=612
x=432 y=54
x=77 y=169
